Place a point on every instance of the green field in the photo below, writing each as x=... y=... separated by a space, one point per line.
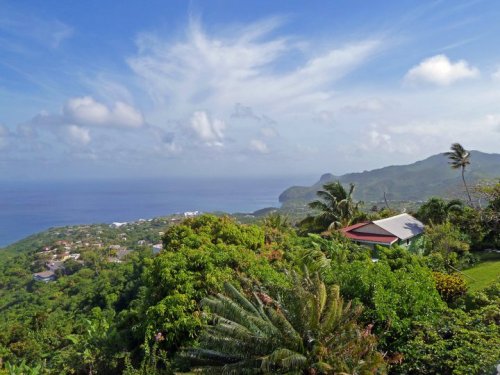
x=485 y=273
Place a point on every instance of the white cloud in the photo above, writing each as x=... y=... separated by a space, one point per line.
x=492 y=119
x=391 y=140
x=496 y=75
x=209 y=131
x=259 y=146
x=4 y=131
x=368 y=105
x=173 y=148
x=26 y=131
x=86 y=111
x=439 y=70
x=378 y=139
x=324 y=117
x=242 y=111
x=216 y=71
x=268 y=132
x=76 y=135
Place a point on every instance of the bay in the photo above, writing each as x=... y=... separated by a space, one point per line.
x=30 y=207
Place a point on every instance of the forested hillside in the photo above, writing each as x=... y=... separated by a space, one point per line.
x=414 y=182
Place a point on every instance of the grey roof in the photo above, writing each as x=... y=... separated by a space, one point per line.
x=55 y=265
x=403 y=226
x=44 y=274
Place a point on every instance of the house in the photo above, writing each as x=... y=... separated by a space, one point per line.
x=117 y=224
x=119 y=256
x=400 y=230
x=55 y=265
x=45 y=276
x=157 y=248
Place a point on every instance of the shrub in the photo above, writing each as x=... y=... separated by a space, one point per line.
x=199 y=255
x=450 y=287
x=459 y=343
x=393 y=299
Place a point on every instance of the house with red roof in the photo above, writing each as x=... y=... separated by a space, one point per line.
x=400 y=229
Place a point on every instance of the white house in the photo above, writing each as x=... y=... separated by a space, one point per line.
x=400 y=229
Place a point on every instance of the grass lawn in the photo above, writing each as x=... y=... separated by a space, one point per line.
x=485 y=273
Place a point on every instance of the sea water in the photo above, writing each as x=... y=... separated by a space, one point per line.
x=30 y=207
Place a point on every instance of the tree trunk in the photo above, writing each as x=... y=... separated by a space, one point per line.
x=466 y=187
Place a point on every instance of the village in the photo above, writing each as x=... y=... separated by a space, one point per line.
x=64 y=249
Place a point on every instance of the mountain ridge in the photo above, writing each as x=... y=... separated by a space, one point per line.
x=417 y=181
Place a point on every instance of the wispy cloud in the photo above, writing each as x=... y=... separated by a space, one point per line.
x=214 y=71
x=23 y=25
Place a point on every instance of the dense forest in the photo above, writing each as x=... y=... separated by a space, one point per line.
x=267 y=297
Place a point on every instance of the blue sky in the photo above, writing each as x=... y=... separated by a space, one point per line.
x=225 y=88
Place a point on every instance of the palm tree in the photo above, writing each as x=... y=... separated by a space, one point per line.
x=437 y=210
x=311 y=331
x=459 y=158
x=336 y=204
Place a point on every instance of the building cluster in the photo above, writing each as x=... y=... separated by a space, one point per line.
x=56 y=255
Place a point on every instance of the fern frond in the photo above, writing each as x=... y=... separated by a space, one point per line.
x=333 y=310
x=200 y=356
x=240 y=298
x=283 y=359
x=287 y=332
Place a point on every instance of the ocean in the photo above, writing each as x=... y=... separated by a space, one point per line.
x=31 y=207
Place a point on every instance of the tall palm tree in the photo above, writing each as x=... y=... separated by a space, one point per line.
x=337 y=206
x=459 y=159
x=312 y=331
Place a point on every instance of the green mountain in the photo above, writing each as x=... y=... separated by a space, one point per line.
x=414 y=182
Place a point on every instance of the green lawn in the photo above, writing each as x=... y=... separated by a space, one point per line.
x=485 y=273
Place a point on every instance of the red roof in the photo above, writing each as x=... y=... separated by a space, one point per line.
x=369 y=237
x=354 y=226
x=350 y=232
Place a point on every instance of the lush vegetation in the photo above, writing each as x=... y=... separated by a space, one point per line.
x=226 y=297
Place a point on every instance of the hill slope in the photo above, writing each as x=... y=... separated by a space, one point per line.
x=414 y=182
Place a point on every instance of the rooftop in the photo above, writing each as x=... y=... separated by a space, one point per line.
x=403 y=226
x=372 y=238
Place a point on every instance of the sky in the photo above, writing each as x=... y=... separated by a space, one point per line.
x=101 y=89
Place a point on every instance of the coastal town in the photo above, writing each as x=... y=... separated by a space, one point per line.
x=67 y=249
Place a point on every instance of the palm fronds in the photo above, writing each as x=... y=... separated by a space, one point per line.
x=310 y=329
x=336 y=206
x=459 y=158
